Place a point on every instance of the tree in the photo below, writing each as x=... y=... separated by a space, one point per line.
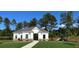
x=43 y=23
x=25 y=24
x=48 y=21
x=51 y=21
x=33 y=22
x=19 y=26
x=1 y=19
x=7 y=23
x=14 y=23
x=67 y=19
x=76 y=29
x=77 y=21
x=7 y=31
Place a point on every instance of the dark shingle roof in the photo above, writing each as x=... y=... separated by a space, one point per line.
x=28 y=29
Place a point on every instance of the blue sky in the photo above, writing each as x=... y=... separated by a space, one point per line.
x=28 y=15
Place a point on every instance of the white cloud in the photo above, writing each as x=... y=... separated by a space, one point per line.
x=75 y=25
x=62 y=26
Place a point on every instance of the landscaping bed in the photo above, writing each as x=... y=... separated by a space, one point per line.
x=73 y=38
x=56 y=44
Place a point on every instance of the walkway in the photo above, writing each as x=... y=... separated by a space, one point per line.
x=30 y=45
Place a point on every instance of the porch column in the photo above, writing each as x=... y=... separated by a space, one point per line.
x=31 y=36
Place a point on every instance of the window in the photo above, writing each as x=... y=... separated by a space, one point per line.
x=16 y=37
x=26 y=35
x=21 y=36
x=43 y=36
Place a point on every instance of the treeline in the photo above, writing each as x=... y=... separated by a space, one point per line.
x=48 y=22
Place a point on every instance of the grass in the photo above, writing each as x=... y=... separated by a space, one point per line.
x=11 y=44
x=56 y=44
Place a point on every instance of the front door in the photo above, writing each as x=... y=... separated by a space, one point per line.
x=35 y=36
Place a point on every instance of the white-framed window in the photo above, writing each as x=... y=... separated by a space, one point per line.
x=26 y=35
x=15 y=36
x=21 y=36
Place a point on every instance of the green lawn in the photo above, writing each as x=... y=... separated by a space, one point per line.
x=11 y=44
x=56 y=44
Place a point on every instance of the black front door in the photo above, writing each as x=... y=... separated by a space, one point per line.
x=35 y=37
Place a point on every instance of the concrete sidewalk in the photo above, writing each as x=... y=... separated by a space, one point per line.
x=30 y=45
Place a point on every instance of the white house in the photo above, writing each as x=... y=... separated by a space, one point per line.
x=32 y=33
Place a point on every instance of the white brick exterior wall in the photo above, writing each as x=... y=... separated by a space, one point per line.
x=30 y=35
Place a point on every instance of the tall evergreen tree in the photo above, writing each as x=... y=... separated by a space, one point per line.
x=25 y=24
x=7 y=30
x=19 y=26
x=48 y=21
x=7 y=23
x=77 y=21
x=14 y=23
x=51 y=21
x=1 y=20
x=76 y=29
x=43 y=23
x=33 y=22
x=67 y=19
